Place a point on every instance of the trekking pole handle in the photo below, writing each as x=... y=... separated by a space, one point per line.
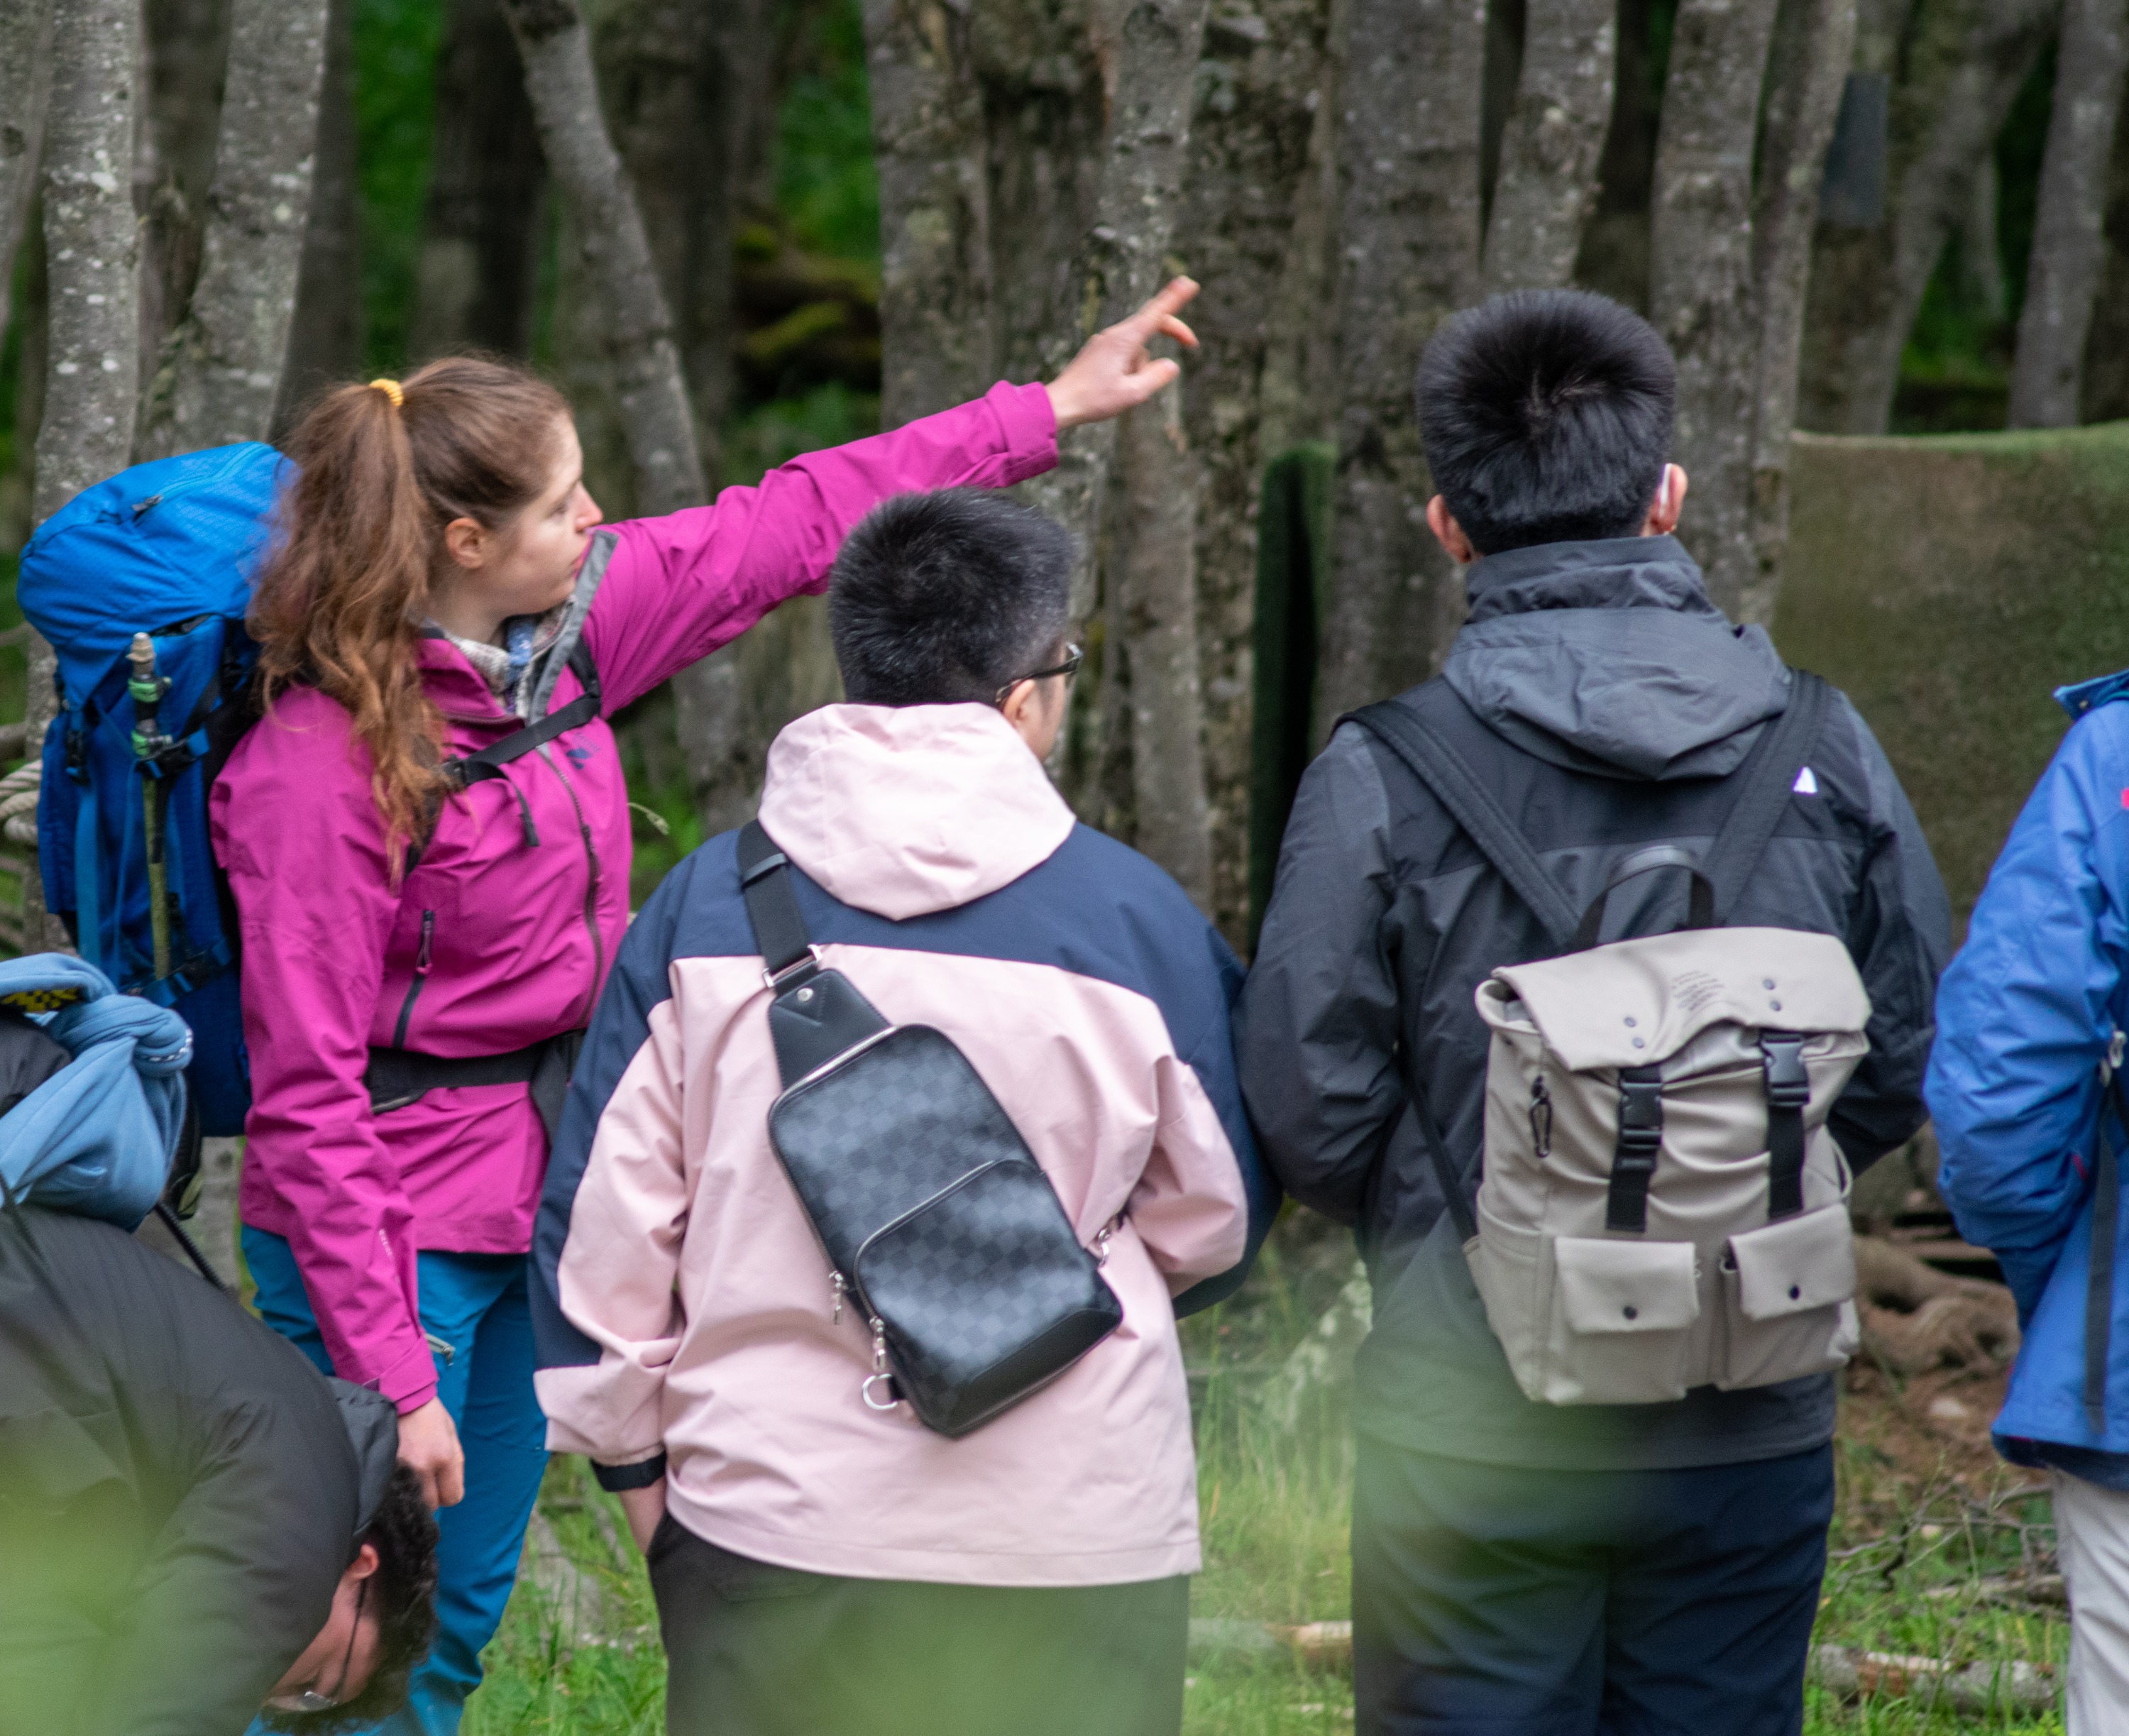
x=1700 y=907
x=147 y=689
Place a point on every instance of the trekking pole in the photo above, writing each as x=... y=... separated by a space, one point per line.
x=147 y=689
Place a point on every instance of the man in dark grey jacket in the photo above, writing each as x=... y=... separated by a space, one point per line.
x=1519 y=1566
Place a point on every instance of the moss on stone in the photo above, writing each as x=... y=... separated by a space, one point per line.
x=1949 y=583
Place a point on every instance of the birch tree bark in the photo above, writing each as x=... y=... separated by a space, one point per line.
x=1407 y=232
x=1546 y=185
x=26 y=63
x=2069 y=244
x=1700 y=271
x=928 y=139
x=91 y=246
x=476 y=280
x=1813 y=42
x=222 y=369
x=563 y=87
x=325 y=336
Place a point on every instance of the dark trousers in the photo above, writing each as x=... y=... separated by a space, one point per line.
x=1490 y=1598
x=756 y=1650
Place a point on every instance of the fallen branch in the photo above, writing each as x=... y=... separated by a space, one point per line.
x=1853 y=1674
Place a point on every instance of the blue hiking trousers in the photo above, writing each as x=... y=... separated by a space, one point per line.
x=476 y=1305
x=1492 y=1598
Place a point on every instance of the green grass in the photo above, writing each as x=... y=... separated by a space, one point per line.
x=1912 y=1553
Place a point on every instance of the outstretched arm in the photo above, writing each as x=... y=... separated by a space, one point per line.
x=678 y=587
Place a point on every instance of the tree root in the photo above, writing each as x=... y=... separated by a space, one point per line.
x=1916 y=1318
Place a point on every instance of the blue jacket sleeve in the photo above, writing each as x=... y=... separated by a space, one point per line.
x=2027 y=1010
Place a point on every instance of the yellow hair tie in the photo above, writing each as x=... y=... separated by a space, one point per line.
x=390 y=388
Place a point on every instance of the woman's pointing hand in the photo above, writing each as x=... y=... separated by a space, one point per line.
x=1112 y=371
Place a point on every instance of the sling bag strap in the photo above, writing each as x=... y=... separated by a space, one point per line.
x=818 y=1013
x=2106 y=1223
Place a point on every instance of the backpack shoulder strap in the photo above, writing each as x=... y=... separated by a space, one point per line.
x=488 y=762
x=1766 y=781
x=1402 y=727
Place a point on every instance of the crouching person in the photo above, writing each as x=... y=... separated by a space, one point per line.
x=193 y=1521
x=824 y=1561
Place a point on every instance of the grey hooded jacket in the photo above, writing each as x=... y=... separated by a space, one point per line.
x=1611 y=699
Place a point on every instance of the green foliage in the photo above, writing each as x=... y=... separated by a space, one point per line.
x=826 y=187
x=395 y=63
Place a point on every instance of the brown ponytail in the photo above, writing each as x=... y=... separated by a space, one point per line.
x=340 y=602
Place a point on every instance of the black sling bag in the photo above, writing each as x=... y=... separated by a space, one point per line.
x=937 y=1219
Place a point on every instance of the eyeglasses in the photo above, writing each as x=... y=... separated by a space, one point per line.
x=1074 y=657
x=310 y=1699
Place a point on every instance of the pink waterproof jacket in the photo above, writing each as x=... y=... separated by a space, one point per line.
x=503 y=933
x=684 y=1311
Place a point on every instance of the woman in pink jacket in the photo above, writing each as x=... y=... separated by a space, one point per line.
x=427 y=841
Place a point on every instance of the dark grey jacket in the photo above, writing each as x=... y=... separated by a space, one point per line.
x=180 y=1490
x=1611 y=698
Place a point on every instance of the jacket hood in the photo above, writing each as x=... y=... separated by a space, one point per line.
x=904 y=810
x=1608 y=657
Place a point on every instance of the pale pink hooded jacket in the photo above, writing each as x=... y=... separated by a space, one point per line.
x=682 y=1301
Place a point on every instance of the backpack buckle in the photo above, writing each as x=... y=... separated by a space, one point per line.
x=1788 y=1086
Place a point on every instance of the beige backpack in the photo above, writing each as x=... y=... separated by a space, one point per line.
x=1661 y=1207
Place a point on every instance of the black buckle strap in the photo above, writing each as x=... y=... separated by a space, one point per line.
x=1789 y=1090
x=1634 y=1158
x=488 y=761
x=818 y=1013
x=398 y=1077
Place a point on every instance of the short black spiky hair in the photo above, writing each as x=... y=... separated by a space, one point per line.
x=1546 y=416
x=940 y=599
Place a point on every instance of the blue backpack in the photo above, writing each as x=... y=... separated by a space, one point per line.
x=140 y=583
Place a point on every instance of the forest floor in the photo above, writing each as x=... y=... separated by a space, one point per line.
x=1939 y=1552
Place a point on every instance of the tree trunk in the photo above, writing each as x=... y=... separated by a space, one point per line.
x=1961 y=64
x=564 y=86
x=222 y=367
x=186 y=46
x=26 y=63
x=1614 y=259
x=325 y=337
x=477 y=279
x=1408 y=234
x=1152 y=610
x=1547 y=183
x=2069 y=245
x=1700 y=271
x=2105 y=371
x=1254 y=230
x=670 y=91
x=91 y=246
x=929 y=142
x=1813 y=42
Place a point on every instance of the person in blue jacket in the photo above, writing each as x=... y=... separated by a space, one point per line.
x=2029 y=1024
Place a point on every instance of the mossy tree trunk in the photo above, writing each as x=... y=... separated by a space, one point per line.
x=91 y=246
x=1408 y=250
x=325 y=336
x=477 y=276
x=2070 y=243
x=1546 y=185
x=25 y=63
x=222 y=369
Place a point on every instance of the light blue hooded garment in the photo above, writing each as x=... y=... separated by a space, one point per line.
x=98 y=1137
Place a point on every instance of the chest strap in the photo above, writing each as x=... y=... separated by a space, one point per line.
x=398 y=1077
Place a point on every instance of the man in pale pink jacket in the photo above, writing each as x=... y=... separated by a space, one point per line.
x=821 y=1566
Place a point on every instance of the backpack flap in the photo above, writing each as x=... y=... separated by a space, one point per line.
x=1638 y=1001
